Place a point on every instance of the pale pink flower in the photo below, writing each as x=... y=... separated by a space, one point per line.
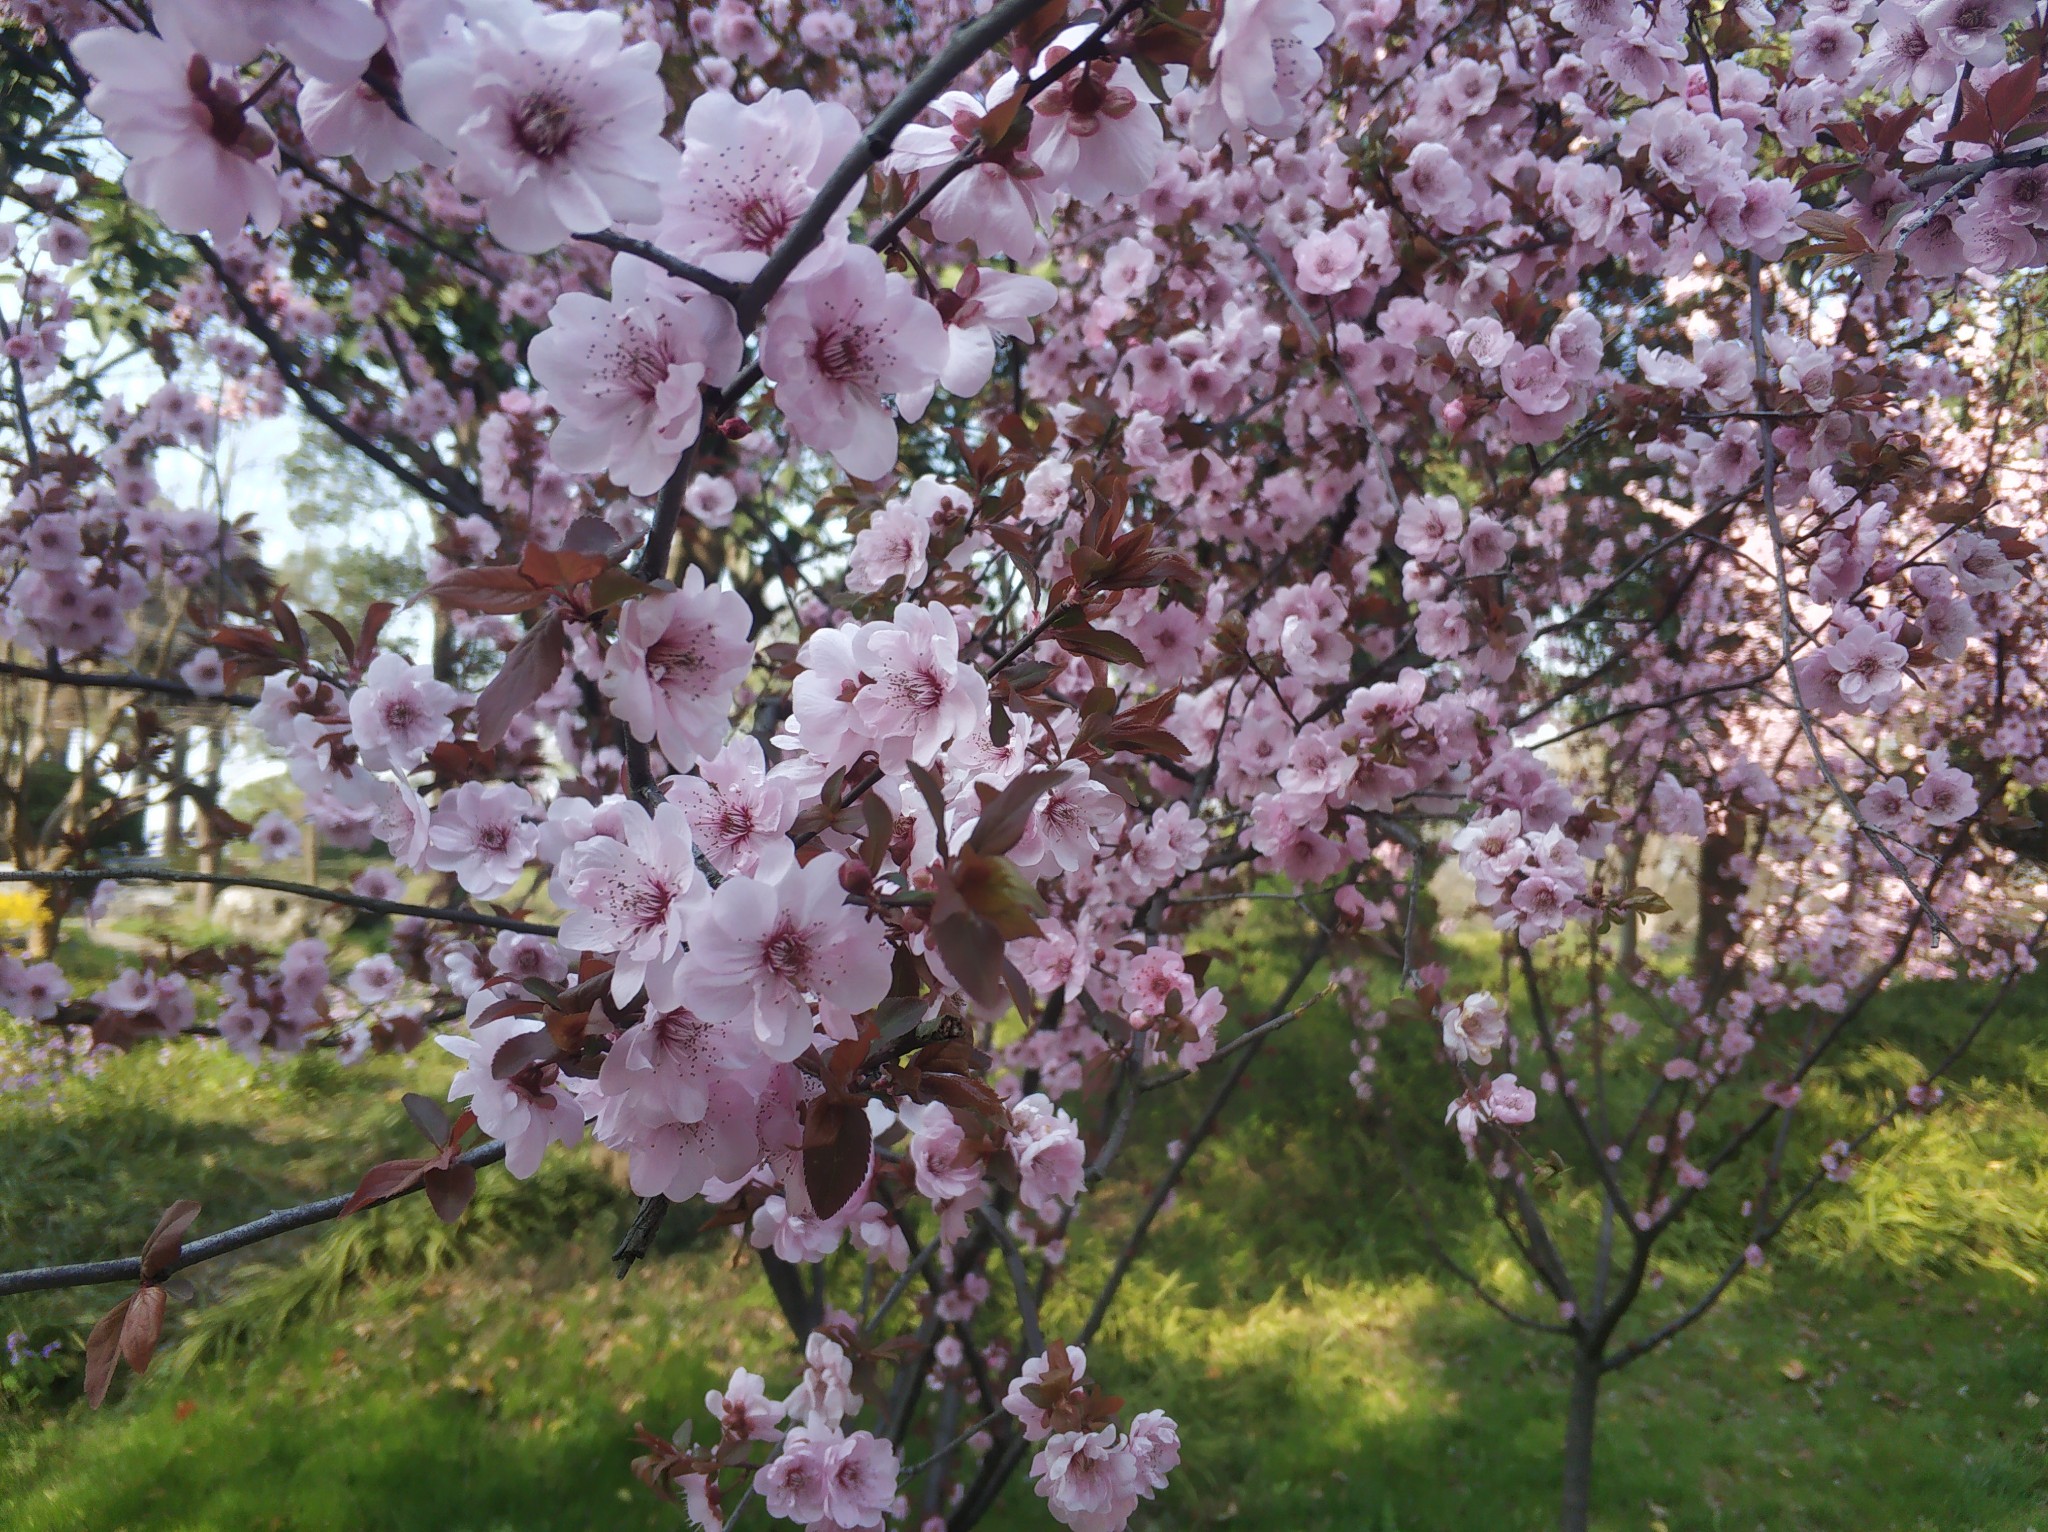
x=996 y=206
x=1905 y=53
x=195 y=159
x=984 y=304
x=750 y=170
x=351 y=118
x=679 y=1159
x=326 y=39
x=1155 y=1446
x=400 y=819
x=764 y=949
x=399 y=713
x=891 y=547
x=1264 y=55
x=1070 y=825
x=1089 y=1480
x=1510 y=1103
x=630 y=895
x=1677 y=810
x=1095 y=131
x=1328 y=263
x=205 y=673
x=921 y=695
x=1946 y=795
x=1980 y=565
x=1052 y=1161
x=1429 y=526
x=836 y=342
x=1033 y=1416
x=375 y=979
x=1888 y=805
x=31 y=991
x=745 y=1412
x=275 y=836
x=792 y=1486
x=672 y=668
x=1435 y=185
x=482 y=834
x=555 y=122
x=860 y=1480
x=529 y=1110
x=1474 y=1027
x=739 y=811
x=1869 y=666
x=824 y=1396
x=627 y=376
x=945 y=1167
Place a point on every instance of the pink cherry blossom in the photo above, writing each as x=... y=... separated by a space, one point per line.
x=195 y=158
x=1258 y=52
x=628 y=375
x=632 y=895
x=671 y=672
x=276 y=836
x=1474 y=1027
x=745 y=1412
x=484 y=836
x=921 y=695
x=328 y=39
x=1089 y=1479
x=399 y=713
x=1946 y=795
x=740 y=813
x=528 y=1111
x=750 y=170
x=554 y=120
x=1033 y=1415
x=997 y=205
x=835 y=343
x=768 y=947
x=1051 y=1159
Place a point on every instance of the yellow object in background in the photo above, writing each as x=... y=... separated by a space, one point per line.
x=21 y=909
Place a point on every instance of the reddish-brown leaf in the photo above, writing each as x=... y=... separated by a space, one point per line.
x=1006 y=814
x=522 y=1052
x=385 y=1180
x=497 y=589
x=1098 y=644
x=103 y=1351
x=530 y=669
x=374 y=618
x=427 y=1116
x=835 y=1169
x=559 y=568
x=450 y=1190
x=160 y=1250
x=143 y=1327
x=973 y=954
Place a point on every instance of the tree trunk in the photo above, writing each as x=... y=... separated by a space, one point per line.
x=1576 y=1507
x=209 y=834
x=174 y=801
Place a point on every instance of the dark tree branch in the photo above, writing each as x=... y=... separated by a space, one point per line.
x=114 y=680
x=269 y=1226
x=280 y=886
x=967 y=45
x=625 y=244
x=280 y=355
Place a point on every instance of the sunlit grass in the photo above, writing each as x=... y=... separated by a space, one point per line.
x=1888 y=1370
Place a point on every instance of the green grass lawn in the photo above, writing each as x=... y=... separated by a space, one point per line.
x=1889 y=1370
